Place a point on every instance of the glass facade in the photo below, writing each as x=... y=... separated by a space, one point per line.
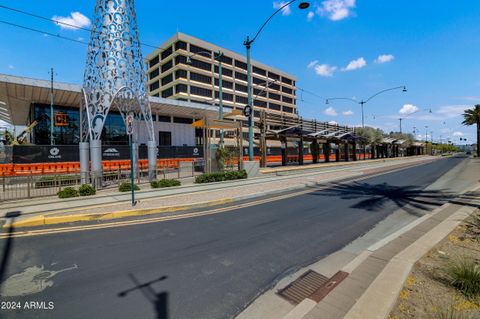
x=67 y=131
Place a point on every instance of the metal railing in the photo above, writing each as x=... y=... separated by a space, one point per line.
x=33 y=186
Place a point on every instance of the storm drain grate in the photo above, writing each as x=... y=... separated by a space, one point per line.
x=303 y=287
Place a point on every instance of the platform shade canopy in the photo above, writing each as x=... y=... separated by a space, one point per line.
x=18 y=93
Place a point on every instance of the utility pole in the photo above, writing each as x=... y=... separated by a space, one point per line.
x=52 y=140
x=400 y=119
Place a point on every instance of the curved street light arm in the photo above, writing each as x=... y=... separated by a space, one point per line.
x=383 y=91
x=248 y=42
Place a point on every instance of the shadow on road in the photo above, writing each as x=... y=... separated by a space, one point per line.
x=413 y=199
x=158 y=300
x=7 y=248
x=468 y=199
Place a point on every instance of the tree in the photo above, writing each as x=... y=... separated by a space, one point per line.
x=472 y=117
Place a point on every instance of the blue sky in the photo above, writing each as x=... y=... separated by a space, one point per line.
x=335 y=49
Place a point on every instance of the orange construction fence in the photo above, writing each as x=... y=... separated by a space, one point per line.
x=74 y=167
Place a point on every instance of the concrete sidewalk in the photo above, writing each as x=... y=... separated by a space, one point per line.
x=55 y=211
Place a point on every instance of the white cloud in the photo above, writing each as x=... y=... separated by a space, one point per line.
x=384 y=58
x=458 y=134
x=336 y=10
x=348 y=113
x=310 y=15
x=330 y=111
x=333 y=123
x=285 y=11
x=11 y=67
x=355 y=64
x=74 y=21
x=325 y=69
x=471 y=98
x=408 y=109
x=312 y=64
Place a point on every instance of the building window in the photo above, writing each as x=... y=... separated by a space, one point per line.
x=164 y=138
x=258 y=81
x=241 y=88
x=288 y=109
x=197 y=50
x=274 y=86
x=287 y=90
x=154 y=61
x=241 y=76
x=182 y=120
x=260 y=103
x=155 y=85
x=154 y=73
x=259 y=71
x=181 y=88
x=258 y=92
x=256 y=113
x=273 y=106
x=274 y=96
x=241 y=99
x=200 y=78
x=164 y=118
x=225 y=72
x=226 y=96
x=201 y=65
x=167 y=93
x=167 y=79
x=156 y=95
x=287 y=100
x=227 y=60
x=167 y=66
x=166 y=53
x=195 y=90
x=180 y=45
x=286 y=80
x=180 y=59
x=240 y=64
x=274 y=76
x=180 y=74
x=225 y=84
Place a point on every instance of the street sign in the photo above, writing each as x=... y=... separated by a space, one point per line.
x=247 y=111
x=129 y=125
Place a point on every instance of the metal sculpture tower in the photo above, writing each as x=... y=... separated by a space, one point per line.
x=114 y=78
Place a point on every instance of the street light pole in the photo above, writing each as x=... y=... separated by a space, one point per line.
x=248 y=44
x=52 y=140
x=400 y=119
x=363 y=102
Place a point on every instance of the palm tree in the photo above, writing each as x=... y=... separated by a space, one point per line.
x=472 y=117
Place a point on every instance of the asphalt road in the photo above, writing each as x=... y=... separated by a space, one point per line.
x=203 y=267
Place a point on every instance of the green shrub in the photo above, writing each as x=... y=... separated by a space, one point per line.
x=126 y=187
x=465 y=276
x=67 y=193
x=219 y=177
x=165 y=183
x=87 y=190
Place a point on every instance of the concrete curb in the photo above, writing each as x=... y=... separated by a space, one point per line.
x=42 y=220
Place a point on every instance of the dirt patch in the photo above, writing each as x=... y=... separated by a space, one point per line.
x=427 y=292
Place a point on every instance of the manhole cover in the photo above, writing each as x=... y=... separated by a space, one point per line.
x=303 y=287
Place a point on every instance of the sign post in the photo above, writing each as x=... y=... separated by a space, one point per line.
x=129 y=127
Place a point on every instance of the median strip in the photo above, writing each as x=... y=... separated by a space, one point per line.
x=42 y=220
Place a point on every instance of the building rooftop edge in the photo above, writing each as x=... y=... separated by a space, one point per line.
x=187 y=37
